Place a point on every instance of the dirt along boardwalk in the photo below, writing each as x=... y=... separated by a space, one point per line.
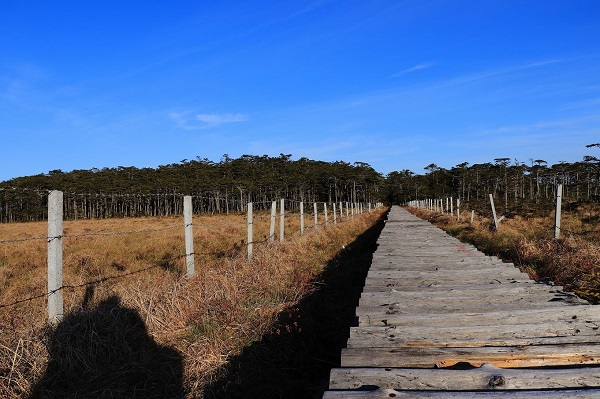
x=439 y=319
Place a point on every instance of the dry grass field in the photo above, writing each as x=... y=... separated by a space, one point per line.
x=153 y=332
x=572 y=261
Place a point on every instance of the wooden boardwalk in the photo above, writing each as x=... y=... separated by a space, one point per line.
x=439 y=319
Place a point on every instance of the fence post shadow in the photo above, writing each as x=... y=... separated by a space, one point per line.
x=294 y=360
x=106 y=352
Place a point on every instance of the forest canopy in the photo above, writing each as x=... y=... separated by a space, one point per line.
x=225 y=186
x=228 y=185
x=517 y=187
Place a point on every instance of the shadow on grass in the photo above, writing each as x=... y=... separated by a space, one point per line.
x=295 y=359
x=106 y=352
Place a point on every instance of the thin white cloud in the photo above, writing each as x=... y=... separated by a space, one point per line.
x=415 y=68
x=219 y=119
x=189 y=121
x=315 y=5
x=559 y=126
x=499 y=72
x=72 y=118
x=447 y=85
x=19 y=84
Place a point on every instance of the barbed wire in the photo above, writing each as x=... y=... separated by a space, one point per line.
x=143 y=231
x=117 y=233
x=120 y=233
x=221 y=224
x=93 y=282
x=267 y=239
x=549 y=229
x=160 y=262
x=99 y=234
x=574 y=233
x=22 y=240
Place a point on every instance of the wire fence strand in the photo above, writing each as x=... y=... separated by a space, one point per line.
x=158 y=262
x=93 y=282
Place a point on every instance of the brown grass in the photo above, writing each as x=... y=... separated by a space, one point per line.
x=209 y=318
x=572 y=261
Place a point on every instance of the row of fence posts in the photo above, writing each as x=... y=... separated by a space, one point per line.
x=351 y=209
x=437 y=205
x=55 y=236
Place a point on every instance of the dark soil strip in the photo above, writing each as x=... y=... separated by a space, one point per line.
x=295 y=359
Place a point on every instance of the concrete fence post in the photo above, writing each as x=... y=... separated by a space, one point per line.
x=189 y=236
x=282 y=220
x=250 y=232
x=55 y=257
x=302 y=218
x=559 y=192
x=494 y=211
x=272 y=225
x=334 y=214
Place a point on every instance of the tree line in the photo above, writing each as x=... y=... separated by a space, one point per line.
x=518 y=187
x=524 y=188
x=217 y=187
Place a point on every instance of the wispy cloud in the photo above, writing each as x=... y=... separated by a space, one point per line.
x=191 y=121
x=285 y=18
x=590 y=121
x=219 y=119
x=448 y=85
x=19 y=84
x=499 y=72
x=552 y=140
x=415 y=68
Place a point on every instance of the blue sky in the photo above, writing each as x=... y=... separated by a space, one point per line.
x=396 y=84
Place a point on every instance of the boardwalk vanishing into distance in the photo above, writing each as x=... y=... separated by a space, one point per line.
x=439 y=319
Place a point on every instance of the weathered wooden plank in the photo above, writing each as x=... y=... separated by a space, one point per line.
x=506 y=357
x=486 y=377
x=477 y=342
x=445 y=248
x=438 y=266
x=440 y=248
x=423 y=255
x=391 y=393
x=439 y=259
x=407 y=264
x=453 y=275
x=426 y=245
x=390 y=243
x=462 y=290
x=519 y=286
x=435 y=281
x=424 y=309
x=587 y=313
x=397 y=312
x=394 y=305
x=472 y=336
x=464 y=296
